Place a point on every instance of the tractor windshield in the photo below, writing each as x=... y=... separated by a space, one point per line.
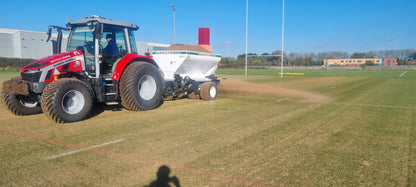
x=82 y=38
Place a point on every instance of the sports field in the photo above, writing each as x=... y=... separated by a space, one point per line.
x=323 y=128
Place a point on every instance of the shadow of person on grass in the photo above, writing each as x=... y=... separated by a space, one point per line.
x=163 y=179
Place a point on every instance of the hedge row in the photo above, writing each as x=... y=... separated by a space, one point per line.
x=13 y=63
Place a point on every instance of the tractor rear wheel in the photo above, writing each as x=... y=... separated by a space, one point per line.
x=208 y=91
x=67 y=100
x=21 y=105
x=141 y=87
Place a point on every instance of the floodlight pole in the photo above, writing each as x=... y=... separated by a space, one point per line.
x=246 y=36
x=174 y=24
x=283 y=34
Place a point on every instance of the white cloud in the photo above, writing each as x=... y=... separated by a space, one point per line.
x=227 y=42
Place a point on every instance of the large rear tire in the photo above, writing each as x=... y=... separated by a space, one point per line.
x=67 y=100
x=141 y=87
x=21 y=105
x=208 y=91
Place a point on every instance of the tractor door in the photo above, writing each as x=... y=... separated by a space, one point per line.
x=116 y=44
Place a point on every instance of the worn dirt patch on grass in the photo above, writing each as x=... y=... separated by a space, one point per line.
x=239 y=87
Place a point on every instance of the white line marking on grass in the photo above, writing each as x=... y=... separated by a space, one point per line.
x=284 y=99
x=383 y=106
x=81 y=150
x=403 y=73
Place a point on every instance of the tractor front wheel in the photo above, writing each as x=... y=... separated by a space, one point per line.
x=67 y=100
x=21 y=105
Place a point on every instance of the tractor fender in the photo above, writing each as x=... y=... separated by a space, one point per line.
x=132 y=57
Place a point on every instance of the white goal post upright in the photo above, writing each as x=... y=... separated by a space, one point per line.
x=283 y=34
x=246 y=36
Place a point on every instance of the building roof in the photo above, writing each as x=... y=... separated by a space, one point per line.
x=185 y=47
x=8 y=31
x=14 y=31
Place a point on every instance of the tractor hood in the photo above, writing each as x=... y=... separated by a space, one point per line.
x=54 y=60
x=50 y=68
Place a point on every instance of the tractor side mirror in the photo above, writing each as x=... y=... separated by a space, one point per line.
x=49 y=33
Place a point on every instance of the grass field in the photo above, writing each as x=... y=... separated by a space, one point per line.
x=325 y=128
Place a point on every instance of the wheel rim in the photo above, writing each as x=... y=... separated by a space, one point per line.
x=213 y=91
x=73 y=102
x=25 y=101
x=28 y=104
x=147 y=87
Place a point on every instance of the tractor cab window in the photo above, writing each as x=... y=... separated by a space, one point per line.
x=82 y=38
x=132 y=42
x=114 y=47
x=111 y=44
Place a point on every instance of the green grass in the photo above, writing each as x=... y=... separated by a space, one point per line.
x=5 y=75
x=362 y=135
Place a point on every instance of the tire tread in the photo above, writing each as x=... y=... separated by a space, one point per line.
x=49 y=96
x=128 y=91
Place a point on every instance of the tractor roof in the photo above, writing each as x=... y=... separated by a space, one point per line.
x=103 y=20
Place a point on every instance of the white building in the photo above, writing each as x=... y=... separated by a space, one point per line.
x=32 y=45
x=25 y=44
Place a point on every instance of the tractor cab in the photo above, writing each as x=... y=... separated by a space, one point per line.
x=103 y=42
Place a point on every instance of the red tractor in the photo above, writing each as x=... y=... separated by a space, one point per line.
x=64 y=86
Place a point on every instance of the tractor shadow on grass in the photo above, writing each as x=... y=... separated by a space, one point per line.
x=99 y=108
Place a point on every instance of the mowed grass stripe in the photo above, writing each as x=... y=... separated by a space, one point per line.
x=310 y=134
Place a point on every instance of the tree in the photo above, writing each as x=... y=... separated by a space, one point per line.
x=369 y=63
x=358 y=55
x=228 y=62
x=412 y=57
x=371 y=54
x=240 y=61
x=257 y=62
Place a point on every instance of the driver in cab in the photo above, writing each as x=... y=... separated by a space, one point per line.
x=109 y=52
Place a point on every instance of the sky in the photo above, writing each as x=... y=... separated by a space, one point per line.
x=310 y=25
